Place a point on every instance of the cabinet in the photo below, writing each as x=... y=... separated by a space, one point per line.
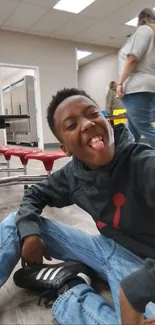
x=8 y=111
x=19 y=98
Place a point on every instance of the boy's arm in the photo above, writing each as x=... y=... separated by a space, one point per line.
x=137 y=290
x=143 y=159
x=54 y=192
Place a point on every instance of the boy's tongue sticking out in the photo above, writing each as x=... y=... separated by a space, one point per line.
x=97 y=143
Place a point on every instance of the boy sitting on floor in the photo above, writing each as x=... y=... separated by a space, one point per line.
x=112 y=178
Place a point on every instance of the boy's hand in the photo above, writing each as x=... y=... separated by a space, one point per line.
x=33 y=250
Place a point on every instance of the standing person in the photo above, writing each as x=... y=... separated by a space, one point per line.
x=136 y=86
x=112 y=102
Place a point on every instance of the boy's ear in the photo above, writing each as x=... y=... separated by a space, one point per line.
x=65 y=150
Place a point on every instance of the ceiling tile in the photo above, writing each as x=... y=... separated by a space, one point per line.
x=145 y=4
x=117 y=43
x=38 y=33
x=102 y=8
x=53 y=20
x=121 y=31
x=24 y=16
x=103 y=22
x=91 y=39
x=6 y=8
x=127 y=12
x=43 y=3
x=98 y=29
x=12 y=29
x=76 y=25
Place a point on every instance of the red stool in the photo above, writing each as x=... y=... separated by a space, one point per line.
x=47 y=158
x=3 y=150
x=21 y=153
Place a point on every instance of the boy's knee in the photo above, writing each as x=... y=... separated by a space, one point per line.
x=10 y=219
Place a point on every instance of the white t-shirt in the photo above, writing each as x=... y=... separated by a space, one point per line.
x=142 y=45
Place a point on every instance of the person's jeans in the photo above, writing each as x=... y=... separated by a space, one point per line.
x=79 y=305
x=140 y=107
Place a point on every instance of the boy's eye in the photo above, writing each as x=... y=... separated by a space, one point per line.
x=71 y=126
x=94 y=114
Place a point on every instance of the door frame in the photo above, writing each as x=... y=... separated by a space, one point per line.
x=37 y=99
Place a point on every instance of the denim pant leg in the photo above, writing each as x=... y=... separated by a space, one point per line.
x=122 y=263
x=58 y=239
x=10 y=248
x=140 y=107
x=64 y=243
x=110 y=260
x=81 y=305
x=131 y=123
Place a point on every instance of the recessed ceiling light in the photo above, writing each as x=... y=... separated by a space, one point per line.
x=74 y=6
x=82 y=54
x=134 y=21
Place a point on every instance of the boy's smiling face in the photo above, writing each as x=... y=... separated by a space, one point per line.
x=84 y=132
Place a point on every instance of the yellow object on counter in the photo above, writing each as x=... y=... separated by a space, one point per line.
x=118 y=112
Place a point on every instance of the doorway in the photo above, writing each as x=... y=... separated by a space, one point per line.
x=20 y=95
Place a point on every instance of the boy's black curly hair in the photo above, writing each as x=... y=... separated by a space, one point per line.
x=60 y=96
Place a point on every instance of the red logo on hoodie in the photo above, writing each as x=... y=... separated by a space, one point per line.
x=118 y=200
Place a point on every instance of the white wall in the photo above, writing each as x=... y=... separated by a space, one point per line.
x=16 y=76
x=56 y=60
x=95 y=76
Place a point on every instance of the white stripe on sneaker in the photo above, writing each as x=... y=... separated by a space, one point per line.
x=41 y=273
x=85 y=278
x=55 y=272
x=47 y=274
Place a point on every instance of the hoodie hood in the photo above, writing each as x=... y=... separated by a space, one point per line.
x=123 y=140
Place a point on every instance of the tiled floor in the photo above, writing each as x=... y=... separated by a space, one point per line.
x=19 y=306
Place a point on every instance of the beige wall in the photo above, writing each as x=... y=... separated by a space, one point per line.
x=96 y=76
x=56 y=61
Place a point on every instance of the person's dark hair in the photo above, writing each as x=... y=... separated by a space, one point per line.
x=146 y=17
x=112 y=84
x=57 y=99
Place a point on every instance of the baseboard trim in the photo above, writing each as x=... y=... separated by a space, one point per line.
x=52 y=145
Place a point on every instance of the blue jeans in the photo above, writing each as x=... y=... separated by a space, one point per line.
x=80 y=305
x=140 y=107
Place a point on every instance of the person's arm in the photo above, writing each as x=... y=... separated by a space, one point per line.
x=136 y=49
x=54 y=192
x=129 y=67
x=137 y=290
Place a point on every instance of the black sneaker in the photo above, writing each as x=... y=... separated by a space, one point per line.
x=52 y=279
